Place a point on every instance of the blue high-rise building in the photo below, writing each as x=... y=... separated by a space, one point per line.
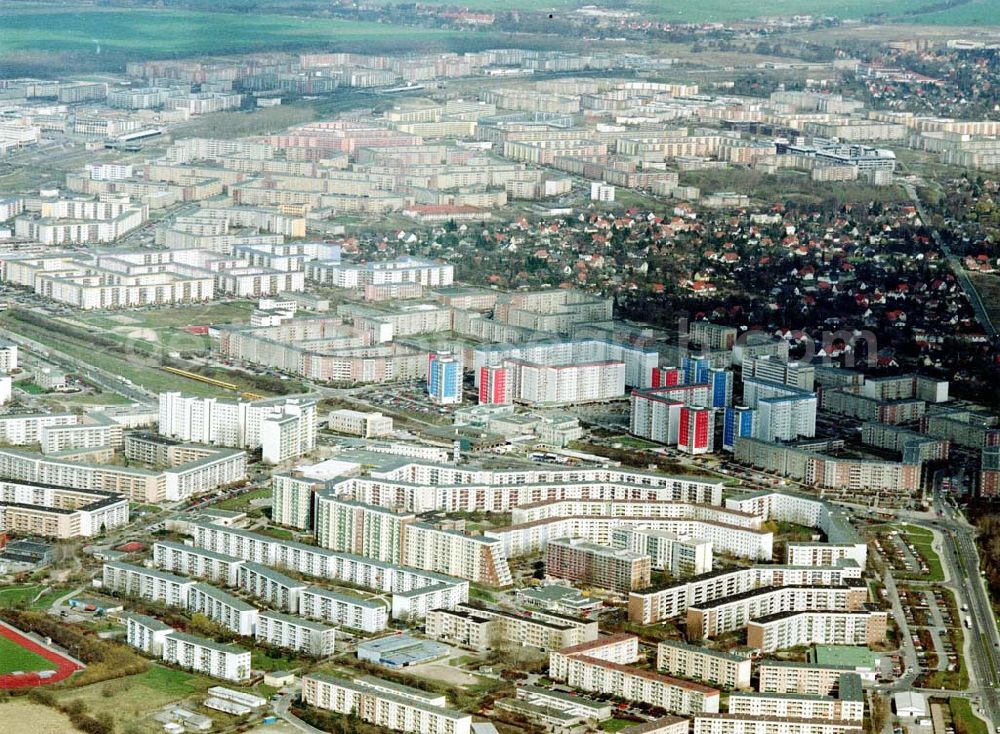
x=720 y=387
x=696 y=370
x=444 y=378
x=738 y=422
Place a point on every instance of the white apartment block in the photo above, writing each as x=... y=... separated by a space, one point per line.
x=89 y=225
x=824 y=627
x=477 y=558
x=533 y=537
x=704 y=664
x=108 y=171
x=355 y=612
x=388 y=705
x=145 y=634
x=656 y=414
x=677 y=510
x=621 y=649
x=200 y=563
x=679 y=555
x=538 y=384
x=649 y=606
x=581 y=668
x=414 y=591
x=786 y=418
x=736 y=724
x=849 y=705
x=401 y=271
x=784 y=412
x=8 y=349
x=785 y=677
x=283 y=428
x=639 y=361
x=804 y=510
x=210 y=658
x=92 y=431
x=422 y=487
x=20 y=430
x=817 y=554
x=223 y=608
x=415 y=603
x=292 y=499
x=720 y=616
x=288 y=435
x=59 y=512
x=146 y=583
x=481 y=628
x=794 y=374
x=216 y=468
x=344 y=525
x=358 y=423
x=713 y=336
x=274 y=588
x=295 y=633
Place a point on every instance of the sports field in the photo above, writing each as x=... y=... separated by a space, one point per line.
x=25 y=663
x=15 y=659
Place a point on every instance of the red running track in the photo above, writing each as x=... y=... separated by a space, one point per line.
x=64 y=667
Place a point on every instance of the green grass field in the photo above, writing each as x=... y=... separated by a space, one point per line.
x=196 y=315
x=260 y=660
x=616 y=724
x=94 y=38
x=973 y=12
x=11 y=596
x=965 y=721
x=156 y=331
x=907 y=11
x=242 y=503
x=104 y=38
x=24 y=596
x=922 y=540
x=104 y=398
x=133 y=700
x=635 y=443
x=279 y=533
x=15 y=659
x=142 y=368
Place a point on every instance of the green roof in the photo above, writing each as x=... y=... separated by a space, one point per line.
x=849 y=687
x=845 y=655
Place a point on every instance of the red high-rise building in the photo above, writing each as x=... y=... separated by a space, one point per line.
x=696 y=433
x=494 y=385
x=667 y=376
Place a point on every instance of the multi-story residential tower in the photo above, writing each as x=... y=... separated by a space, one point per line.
x=444 y=378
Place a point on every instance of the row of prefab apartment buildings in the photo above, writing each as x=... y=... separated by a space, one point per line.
x=607 y=533
x=784 y=606
x=73 y=488
x=678 y=535
x=605 y=527
x=668 y=405
x=588 y=663
x=194 y=455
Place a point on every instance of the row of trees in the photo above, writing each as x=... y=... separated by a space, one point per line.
x=102 y=722
x=989 y=547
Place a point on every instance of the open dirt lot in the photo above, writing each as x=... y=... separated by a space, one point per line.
x=26 y=716
x=440 y=671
